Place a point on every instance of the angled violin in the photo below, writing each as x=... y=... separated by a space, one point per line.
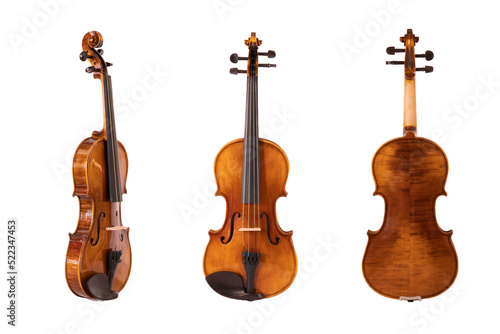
x=250 y=257
x=410 y=257
x=99 y=259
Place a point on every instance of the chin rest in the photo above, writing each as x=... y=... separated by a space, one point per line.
x=98 y=286
x=230 y=285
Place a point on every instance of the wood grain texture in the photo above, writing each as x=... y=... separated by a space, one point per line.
x=410 y=255
x=90 y=180
x=410 y=105
x=278 y=263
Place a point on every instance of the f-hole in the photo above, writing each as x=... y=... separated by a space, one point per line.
x=263 y=214
x=232 y=229
x=98 y=229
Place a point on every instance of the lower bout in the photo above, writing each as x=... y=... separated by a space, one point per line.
x=83 y=263
x=274 y=273
x=393 y=277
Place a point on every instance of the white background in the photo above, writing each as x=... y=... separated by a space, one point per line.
x=328 y=110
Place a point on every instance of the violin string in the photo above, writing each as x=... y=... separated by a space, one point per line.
x=257 y=163
x=244 y=192
x=248 y=154
x=254 y=171
x=250 y=157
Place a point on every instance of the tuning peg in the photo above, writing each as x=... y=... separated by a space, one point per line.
x=234 y=70
x=267 y=65
x=269 y=54
x=234 y=58
x=84 y=55
x=109 y=64
x=90 y=69
x=426 y=69
x=428 y=55
x=392 y=50
x=395 y=62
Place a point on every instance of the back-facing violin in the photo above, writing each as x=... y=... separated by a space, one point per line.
x=410 y=257
x=99 y=257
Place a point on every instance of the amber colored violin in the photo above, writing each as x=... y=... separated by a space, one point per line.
x=250 y=257
x=410 y=257
x=99 y=257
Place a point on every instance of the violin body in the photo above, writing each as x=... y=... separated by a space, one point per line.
x=278 y=262
x=95 y=224
x=410 y=255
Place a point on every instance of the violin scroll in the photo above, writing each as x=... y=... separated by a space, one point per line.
x=253 y=41
x=91 y=41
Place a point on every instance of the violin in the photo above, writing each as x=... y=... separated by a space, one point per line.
x=410 y=257
x=250 y=257
x=98 y=260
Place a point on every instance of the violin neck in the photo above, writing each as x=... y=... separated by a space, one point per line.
x=250 y=187
x=410 y=107
x=113 y=165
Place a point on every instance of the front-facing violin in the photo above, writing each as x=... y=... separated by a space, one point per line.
x=250 y=257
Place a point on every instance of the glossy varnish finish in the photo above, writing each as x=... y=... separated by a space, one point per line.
x=410 y=255
x=250 y=257
x=278 y=263
x=98 y=260
x=90 y=179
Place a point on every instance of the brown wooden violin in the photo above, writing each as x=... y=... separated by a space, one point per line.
x=410 y=257
x=250 y=257
x=99 y=257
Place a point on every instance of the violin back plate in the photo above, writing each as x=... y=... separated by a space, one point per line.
x=410 y=255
